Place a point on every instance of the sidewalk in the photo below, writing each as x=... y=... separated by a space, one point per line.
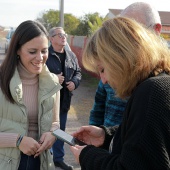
x=82 y=102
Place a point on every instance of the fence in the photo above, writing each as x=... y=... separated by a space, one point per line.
x=77 y=44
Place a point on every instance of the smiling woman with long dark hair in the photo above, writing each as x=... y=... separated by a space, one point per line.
x=29 y=107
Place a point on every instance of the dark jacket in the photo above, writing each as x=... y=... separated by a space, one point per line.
x=142 y=142
x=72 y=73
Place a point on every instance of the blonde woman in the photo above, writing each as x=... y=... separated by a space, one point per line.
x=135 y=62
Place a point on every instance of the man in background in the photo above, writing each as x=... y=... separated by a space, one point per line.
x=145 y=14
x=63 y=62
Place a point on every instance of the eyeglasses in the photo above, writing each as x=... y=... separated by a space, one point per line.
x=60 y=35
x=150 y=26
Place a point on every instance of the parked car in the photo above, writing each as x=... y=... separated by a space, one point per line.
x=8 y=38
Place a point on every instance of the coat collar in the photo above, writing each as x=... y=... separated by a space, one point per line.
x=48 y=84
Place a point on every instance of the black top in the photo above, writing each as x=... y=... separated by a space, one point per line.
x=142 y=141
x=62 y=57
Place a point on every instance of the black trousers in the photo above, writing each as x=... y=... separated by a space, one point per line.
x=29 y=163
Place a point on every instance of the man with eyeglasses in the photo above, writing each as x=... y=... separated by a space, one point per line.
x=64 y=64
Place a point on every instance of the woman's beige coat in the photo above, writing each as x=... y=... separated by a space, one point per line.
x=13 y=117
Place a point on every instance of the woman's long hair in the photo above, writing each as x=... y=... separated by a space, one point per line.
x=25 y=32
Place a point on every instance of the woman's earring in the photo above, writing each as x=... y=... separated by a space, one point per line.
x=18 y=57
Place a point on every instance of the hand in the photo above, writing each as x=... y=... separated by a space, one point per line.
x=29 y=146
x=46 y=141
x=76 y=150
x=91 y=135
x=70 y=85
x=60 y=77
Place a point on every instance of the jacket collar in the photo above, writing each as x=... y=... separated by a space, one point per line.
x=48 y=84
x=52 y=52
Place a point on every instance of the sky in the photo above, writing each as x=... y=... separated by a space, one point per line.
x=13 y=12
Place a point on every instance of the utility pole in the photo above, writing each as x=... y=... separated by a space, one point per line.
x=62 y=13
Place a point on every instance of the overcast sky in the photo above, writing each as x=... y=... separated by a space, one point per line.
x=13 y=12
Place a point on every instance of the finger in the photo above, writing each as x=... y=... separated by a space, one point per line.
x=35 y=148
x=42 y=148
x=40 y=142
x=32 y=152
x=85 y=129
x=37 y=154
x=42 y=138
x=70 y=86
x=73 y=148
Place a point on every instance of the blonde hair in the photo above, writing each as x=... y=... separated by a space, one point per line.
x=130 y=53
x=90 y=55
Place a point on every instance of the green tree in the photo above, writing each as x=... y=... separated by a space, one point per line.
x=89 y=23
x=51 y=19
x=96 y=24
x=70 y=23
x=83 y=26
